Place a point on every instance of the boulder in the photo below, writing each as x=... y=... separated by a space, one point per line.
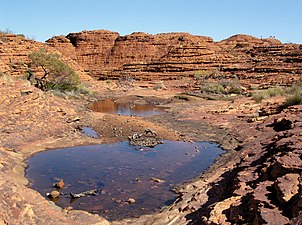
x=287 y=187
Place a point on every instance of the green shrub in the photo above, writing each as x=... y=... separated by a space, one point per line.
x=231 y=87
x=81 y=89
x=295 y=95
x=259 y=96
x=57 y=75
x=223 y=87
x=215 y=88
x=5 y=77
x=204 y=74
x=296 y=88
x=265 y=94
x=293 y=100
x=276 y=91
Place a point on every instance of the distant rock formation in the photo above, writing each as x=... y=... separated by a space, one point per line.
x=107 y=55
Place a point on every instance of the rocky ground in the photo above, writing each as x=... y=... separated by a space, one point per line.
x=258 y=181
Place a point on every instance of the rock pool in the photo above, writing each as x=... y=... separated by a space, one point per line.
x=131 y=180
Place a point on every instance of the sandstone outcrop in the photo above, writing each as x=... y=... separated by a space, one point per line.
x=107 y=55
x=258 y=184
x=264 y=186
x=14 y=51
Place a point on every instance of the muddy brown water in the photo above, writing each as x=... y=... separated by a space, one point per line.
x=126 y=109
x=121 y=172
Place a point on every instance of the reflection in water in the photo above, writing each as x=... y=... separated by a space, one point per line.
x=121 y=172
x=126 y=109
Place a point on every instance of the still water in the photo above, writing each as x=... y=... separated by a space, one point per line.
x=126 y=109
x=121 y=172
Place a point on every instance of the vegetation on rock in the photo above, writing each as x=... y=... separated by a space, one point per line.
x=293 y=94
x=57 y=75
x=265 y=94
x=295 y=97
x=225 y=87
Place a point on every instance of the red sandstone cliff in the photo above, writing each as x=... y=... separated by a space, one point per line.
x=105 y=54
x=14 y=51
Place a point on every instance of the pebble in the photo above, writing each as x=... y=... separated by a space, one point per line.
x=131 y=201
x=157 y=180
x=59 y=184
x=53 y=194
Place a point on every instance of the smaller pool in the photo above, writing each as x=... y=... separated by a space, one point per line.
x=126 y=109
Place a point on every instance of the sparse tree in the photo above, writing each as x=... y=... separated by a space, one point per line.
x=57 y=74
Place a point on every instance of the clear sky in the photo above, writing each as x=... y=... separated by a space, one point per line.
x=219 y=19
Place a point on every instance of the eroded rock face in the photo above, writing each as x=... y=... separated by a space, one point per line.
x=260 y=184
x=106 y=54
x=264 y=187
x=14 y=51
x=287 y=187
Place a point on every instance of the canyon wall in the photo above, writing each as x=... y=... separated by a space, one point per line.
x=107 y=55
x=14 y=51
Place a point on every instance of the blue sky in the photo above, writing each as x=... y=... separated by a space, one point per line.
x=218 y=19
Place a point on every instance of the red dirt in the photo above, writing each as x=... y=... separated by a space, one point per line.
x=257 y=182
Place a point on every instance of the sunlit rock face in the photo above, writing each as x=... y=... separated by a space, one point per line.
x=106 y=54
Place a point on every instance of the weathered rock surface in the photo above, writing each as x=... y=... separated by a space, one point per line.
x=260 y=183
x=264 y=187
x=106 y=54
x=14 y=51
x=287 y=187
x=30 y=123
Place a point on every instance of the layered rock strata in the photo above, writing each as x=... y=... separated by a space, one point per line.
x=14 y=51
x=107 y=55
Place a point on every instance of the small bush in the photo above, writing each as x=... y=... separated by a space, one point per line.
x=259 y=96
x=276 y=91
x=3 y=33
x=293 y=100
x=57 y=74
x=231 y=86
x=5 y=77
x=6 y=31
x=271 y=92
x=204 y=74
x=296 y=88
x=295 y=97
x=214 y=88
x=82 y=89
x=223 y=87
